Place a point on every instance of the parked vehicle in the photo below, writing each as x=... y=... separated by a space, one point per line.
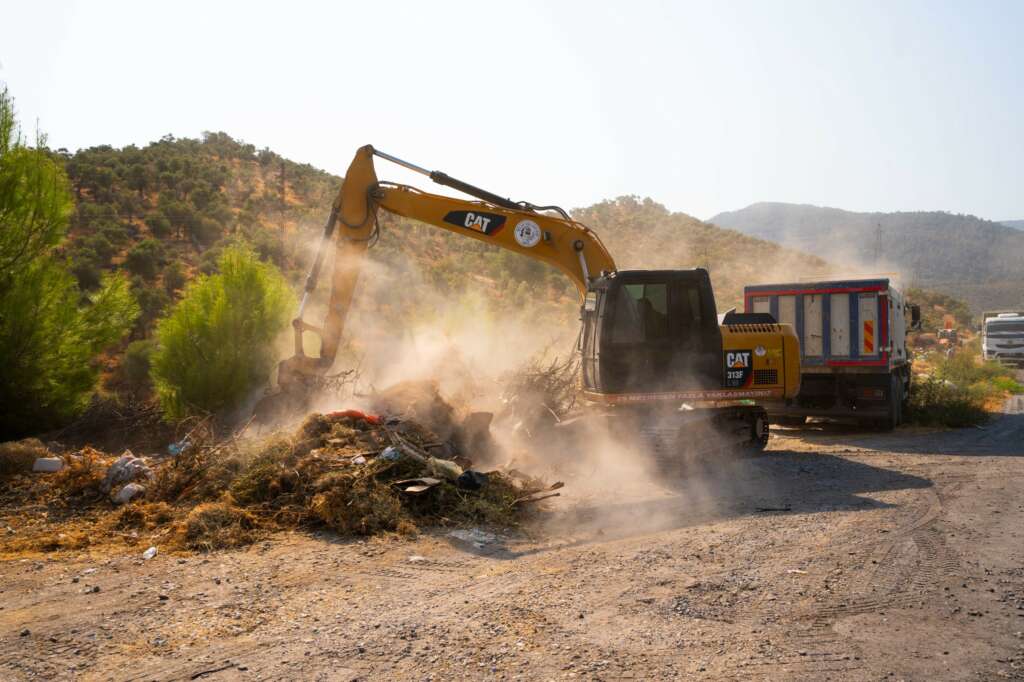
x=853 y=347
x=1002 y=336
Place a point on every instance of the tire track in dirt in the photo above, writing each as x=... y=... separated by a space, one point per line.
x=906 y=568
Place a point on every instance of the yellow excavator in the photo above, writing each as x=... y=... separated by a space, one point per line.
x=651 y=340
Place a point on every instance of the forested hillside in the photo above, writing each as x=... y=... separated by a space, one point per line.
x=971 y=258
x=165 y=211
x=1015 y=224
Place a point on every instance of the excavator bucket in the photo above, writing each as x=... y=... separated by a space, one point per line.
x=299 y=376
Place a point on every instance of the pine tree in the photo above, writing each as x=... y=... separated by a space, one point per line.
x=49 y=335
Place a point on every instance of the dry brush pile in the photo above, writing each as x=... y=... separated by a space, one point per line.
x=354 y=473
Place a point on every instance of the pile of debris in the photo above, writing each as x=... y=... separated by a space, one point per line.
x=353 y=472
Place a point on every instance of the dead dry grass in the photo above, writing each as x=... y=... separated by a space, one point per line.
x=328 y=473
x=218 y=525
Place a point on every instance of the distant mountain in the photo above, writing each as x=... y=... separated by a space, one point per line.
x=1015 y=224
x=978 y=260
x=642 y=234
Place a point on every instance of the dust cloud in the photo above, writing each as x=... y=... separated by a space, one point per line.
x=625 y=475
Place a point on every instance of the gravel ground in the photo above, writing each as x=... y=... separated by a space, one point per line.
x=839 y=555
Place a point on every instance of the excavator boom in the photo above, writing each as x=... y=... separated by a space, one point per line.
x=559 y=241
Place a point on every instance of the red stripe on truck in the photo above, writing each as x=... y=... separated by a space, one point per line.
x=883 y=321
x=795 y=292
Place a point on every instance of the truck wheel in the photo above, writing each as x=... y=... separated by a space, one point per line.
x=899 y=399
x=895 y=416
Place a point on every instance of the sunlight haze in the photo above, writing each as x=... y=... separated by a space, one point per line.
x=705 y=107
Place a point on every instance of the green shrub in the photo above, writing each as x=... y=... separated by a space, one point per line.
x=934 y=401
x=174 y=277
x=269 y=246
x=217 y=344
x=152 y=303
x=101 y=246
x=87 y=274
x=986 y=378
x=136 y=363
x=207 y=230
x=1008 y=384
x=115 y=233
x=158 y=224
x=959 y=389
x=146 y=258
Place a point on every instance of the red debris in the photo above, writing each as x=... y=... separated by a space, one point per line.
x=356 y=414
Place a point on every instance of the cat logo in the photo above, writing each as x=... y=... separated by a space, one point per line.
x=737 y=359
x=478 y=221
x=739 y=370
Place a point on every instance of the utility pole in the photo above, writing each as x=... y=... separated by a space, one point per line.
x=878 y=243
x=284 y=206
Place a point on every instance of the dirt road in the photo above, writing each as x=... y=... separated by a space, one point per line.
x=839 y=555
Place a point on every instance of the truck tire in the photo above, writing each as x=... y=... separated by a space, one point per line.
x=895 y=416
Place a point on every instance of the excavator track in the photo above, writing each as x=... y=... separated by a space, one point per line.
x=677 y=441
x=699 y=437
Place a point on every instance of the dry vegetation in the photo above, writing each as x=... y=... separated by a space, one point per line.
x=328 y=473
x=959 y=389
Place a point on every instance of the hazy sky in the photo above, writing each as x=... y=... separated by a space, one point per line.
x=704 y=106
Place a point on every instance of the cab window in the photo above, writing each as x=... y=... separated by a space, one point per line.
x=641 y=313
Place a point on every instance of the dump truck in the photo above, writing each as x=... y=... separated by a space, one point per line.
x=853 y=347
x=650 y=339
x=1002 y=336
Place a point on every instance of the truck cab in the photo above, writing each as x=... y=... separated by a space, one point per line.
x=1002 y=336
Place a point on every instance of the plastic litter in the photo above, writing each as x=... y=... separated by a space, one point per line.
x=47 y=465
x=176 y=449
x=149 y=553
x=356 y=414
x=391 y=454
x=471 y=480
x=359 y=460
x=445 y=468
x=128 y=467
x=474 y=536
x=415 y=486
x=128 y=493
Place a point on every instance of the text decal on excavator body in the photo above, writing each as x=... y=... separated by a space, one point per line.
x=487 y=223
x=738 y=368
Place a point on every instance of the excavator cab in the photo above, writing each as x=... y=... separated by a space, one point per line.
x=651 y=331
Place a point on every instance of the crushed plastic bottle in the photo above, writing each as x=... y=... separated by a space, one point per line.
x=181 y=446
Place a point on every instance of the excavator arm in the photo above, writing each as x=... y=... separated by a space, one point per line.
x=520 y=227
